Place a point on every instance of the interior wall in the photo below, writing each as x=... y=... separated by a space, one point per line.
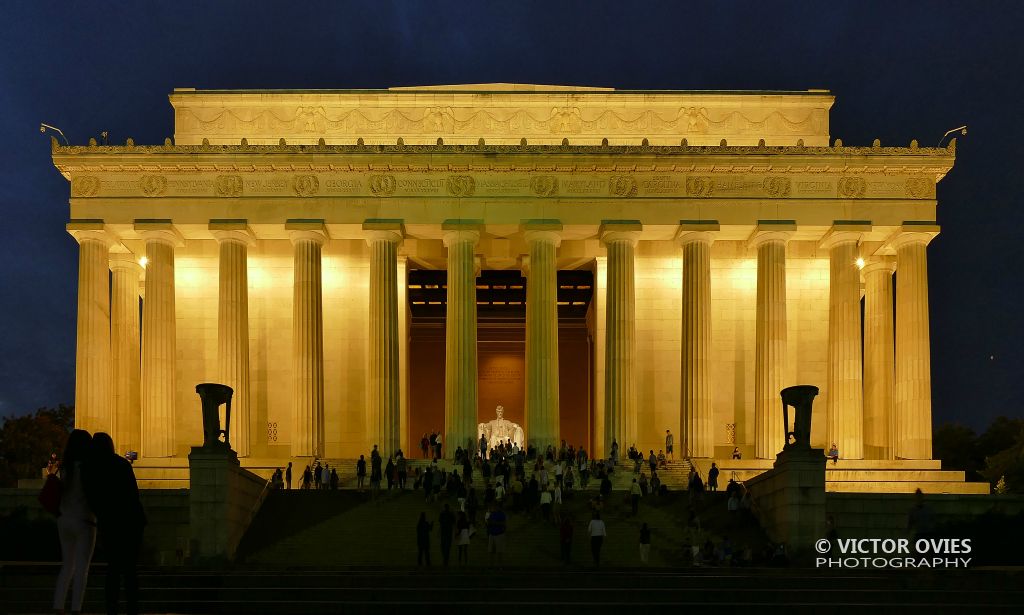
x=501 y=363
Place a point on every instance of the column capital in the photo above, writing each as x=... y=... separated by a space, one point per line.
x=125 y=261
x=383 y=230
x=910 y=233
x=232 y=230
x=91 y=230
x=768 y=231
x=553 y=237
x=307 y=230
x=844 y=232
x=159 y=231
x=702 y=231
x=620 y=230
x=548 y=230
x=879 y=263
x=458 y=235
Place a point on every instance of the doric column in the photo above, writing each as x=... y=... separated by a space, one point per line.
x=620 y=335
x=770 y=344
x=405 y=442
x=384 y=384
x=460 y=372
x=599 y=449
x=845 y=410
x=307 y=339
x=542 y=417
x=159 y=348
x=125 y=356
x=234 y=238
x=879 y=357
x=92 y=351
x=913 y=351
x=697 y=415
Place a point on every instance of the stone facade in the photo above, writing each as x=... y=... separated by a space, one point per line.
x=615 y=179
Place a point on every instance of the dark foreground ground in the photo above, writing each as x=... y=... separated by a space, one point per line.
x=27 y=588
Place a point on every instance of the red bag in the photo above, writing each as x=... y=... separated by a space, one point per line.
x=49 y=497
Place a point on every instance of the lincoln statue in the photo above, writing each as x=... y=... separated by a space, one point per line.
x=501 y=430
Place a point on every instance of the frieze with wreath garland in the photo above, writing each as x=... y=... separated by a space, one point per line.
x=512 y=184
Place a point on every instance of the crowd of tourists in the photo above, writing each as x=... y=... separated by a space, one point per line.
x=479 y=489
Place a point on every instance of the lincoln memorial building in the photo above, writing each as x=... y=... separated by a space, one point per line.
x=366 y=266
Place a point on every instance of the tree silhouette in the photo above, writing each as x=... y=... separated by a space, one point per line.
x=27 y=441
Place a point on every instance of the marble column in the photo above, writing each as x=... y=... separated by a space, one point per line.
x=401 y=281
x=620 y=336
x=542 y=412
x=913 y=352
x=159 y=346
x=383 y=395
x=879 y=358
x=460 y=372
x=770 y=343
x=92 y=350
x=125 y=353
x=697 y=416
x=599 y=449
x=307 y=339
x=234 y=238
x=845 y=409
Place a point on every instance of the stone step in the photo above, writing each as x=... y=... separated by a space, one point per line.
x=844 y=475
x=381 y=591
x=934 y=486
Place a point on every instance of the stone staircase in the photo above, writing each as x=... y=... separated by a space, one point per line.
x=347 y=528
x=848 y=476
x=29 y=589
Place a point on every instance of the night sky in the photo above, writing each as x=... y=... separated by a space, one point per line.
x=899 y=71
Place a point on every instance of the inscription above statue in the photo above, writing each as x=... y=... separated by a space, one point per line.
x=501 y=430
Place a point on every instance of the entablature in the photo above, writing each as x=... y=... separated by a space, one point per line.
x=472 y=172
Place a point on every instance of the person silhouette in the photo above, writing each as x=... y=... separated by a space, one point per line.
x=76 y=525
x=113 y=494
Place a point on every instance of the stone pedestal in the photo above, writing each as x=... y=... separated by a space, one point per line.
x=542 y=418
x=790 y=500
x=223 y=498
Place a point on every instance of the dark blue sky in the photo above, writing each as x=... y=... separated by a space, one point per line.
x=899 y=70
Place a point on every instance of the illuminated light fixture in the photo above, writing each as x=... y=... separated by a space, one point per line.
x=860 y=263
x=143 y=261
